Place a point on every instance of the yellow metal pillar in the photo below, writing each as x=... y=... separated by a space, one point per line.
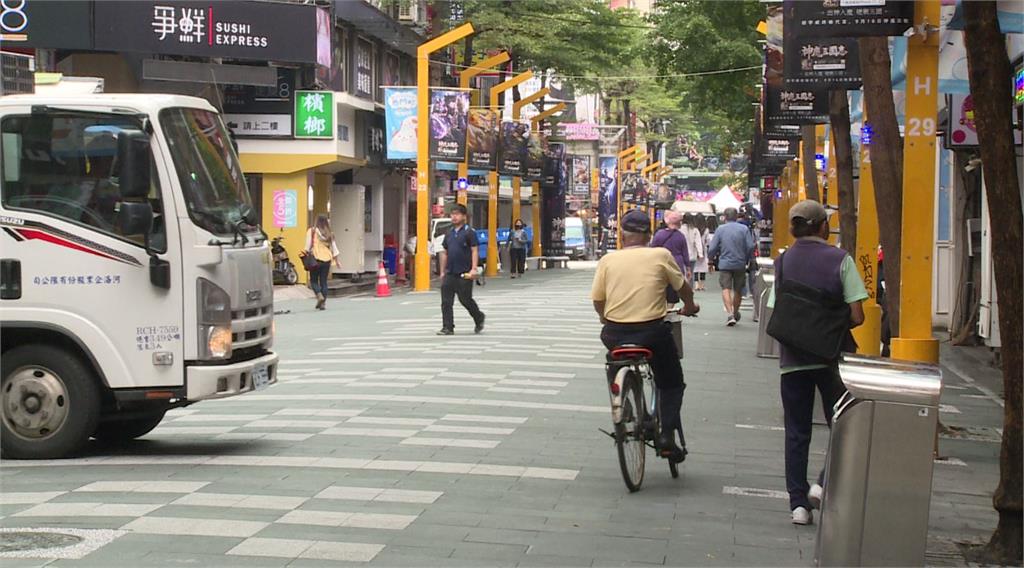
x=492 y=199
x=800 y=185
x=915 y=341
x=832 y=195
x=465 y=81
x=868 y=335
x=422 y=280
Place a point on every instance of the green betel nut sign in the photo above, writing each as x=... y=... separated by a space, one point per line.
x=314 y=114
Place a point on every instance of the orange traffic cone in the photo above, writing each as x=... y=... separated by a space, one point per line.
x=383 y=289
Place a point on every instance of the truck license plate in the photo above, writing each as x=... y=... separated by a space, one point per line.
x=260 y=378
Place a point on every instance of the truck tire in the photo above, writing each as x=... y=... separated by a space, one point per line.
x=50 y=402
x=126 y=430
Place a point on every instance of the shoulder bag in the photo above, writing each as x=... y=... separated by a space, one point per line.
x=808 y=319
x=309 y=262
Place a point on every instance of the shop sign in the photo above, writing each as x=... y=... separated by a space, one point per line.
x=850 y=18
x=314 y=114
x=364 y=69
x=400 y=106
x=577 y=131
x=259 y=125
x=249 y=99
x=51 y=24
x=259 y=31
x=286 y=208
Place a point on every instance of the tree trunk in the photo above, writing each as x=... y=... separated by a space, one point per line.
x=810 y=146
x=989 y=72
x=839 y=118
x=886 y=164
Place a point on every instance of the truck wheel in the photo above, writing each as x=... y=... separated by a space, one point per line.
x=51 y=402
x=120 y=431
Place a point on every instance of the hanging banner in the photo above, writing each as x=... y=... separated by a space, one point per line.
x=607 y=209
x=634 y=189
x=400 y=122
x=449 y=111
x=482 y=139
x=788 y=105
x=512 y=154
x=820 y=62
x=555 y=182
x=663 y=196
x=581 y=175
x=535 y=151
x=851 y=18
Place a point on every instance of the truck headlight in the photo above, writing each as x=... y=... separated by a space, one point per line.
x=214 y=317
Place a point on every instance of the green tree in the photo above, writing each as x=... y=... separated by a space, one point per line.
x=705 y=36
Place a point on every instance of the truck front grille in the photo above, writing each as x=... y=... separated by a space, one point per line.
x=251 y=327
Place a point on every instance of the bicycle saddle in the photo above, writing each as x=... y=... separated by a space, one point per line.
x=631 y=351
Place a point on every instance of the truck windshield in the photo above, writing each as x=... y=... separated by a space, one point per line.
x=207 y=166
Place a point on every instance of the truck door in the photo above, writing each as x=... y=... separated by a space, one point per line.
x=61 y=198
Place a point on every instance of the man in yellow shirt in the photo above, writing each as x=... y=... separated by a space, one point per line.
x=629 y=296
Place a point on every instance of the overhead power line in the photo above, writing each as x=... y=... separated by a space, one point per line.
x=619 y=77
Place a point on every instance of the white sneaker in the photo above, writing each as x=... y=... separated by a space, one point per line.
x=801 y=516
x=815 y=495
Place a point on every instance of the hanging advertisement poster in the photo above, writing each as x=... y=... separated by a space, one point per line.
x=581 y=175
x=788 y=105
x=634 y=190
x=850 y=18
x=535 y=148
x=449 y=110
x=286 y=208
x=607 y=209
x=663 y=196
x=512 y=154
x=400 y=122
x=554 y=164
x=482 y=139
x=828 y=62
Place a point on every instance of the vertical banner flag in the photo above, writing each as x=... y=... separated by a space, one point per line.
x=482 y=139
x=400 y=122
x=535 y=151
x=663 y=196
x=556 y=180
x=581 y=175
x=608 y=203
x=449 y=111
x=806 y=104
x=512 y=157
x=633 y=191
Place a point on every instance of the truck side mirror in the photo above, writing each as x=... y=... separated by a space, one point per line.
x=134 y=159
x=134 y=218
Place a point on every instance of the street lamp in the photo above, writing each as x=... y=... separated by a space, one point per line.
x=465 y=80
x=422 y=280
x=492 y=194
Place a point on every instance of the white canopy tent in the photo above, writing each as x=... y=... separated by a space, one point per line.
x=725 y=199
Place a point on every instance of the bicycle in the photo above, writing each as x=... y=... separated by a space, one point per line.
x=637 y=423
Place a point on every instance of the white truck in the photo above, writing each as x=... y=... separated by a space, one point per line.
x=134 y=277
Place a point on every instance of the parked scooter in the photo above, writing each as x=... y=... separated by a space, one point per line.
x=284 y=271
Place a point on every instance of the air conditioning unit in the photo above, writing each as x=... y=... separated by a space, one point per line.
x=407 y=10
x=17 y=73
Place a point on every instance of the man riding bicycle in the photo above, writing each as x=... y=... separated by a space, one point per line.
x=629 y=296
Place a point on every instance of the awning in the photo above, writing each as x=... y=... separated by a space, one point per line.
x=373 y=22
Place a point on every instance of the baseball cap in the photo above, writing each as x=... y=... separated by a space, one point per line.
x=809 y=210
x=636 y=221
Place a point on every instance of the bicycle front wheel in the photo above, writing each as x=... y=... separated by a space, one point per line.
x=629 y=432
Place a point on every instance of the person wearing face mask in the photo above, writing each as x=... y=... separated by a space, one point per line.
x=518 y=250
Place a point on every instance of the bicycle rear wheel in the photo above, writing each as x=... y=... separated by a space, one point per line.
x=629 y=432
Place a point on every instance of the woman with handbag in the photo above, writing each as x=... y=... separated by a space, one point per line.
x=672 y=238
x=321 y=251
x=817 y=300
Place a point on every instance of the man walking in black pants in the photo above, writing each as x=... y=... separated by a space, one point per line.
x=459 y=259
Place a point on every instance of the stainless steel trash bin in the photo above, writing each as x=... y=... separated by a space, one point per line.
x=767 y=347
x=764 y=266
x=878 y=474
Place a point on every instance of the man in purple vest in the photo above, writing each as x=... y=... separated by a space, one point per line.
x=814 y=262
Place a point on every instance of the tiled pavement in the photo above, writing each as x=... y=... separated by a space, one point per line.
x=385 y=444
